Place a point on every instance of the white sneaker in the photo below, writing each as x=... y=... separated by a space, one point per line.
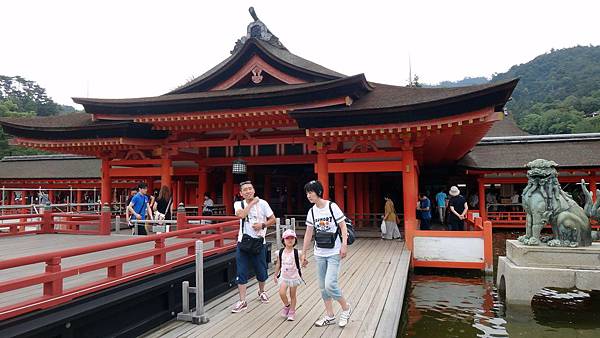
x=325 y=320
x=345 y=316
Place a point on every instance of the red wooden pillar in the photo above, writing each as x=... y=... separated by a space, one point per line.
x=481 y=191
x=322 y=171
x=360 y=205
x=339 y=190
x=78 y=200
x=367 y=198
x=267 y=188
x=290 y=188
x=104 y=183
x=11 y=200
x=150 y=182
x=165 y=170
x=174 y=191
x=376 y=195
x=409 y=195
x=228 y=192
x=202 y=186
x=350 y=202
x=212 y=186
x=180 y=194
x=300 y=197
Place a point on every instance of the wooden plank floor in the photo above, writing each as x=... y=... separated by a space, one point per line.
x=373 y=278
x=29 y=245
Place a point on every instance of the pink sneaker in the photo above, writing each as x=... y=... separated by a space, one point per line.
x=291 y=315
x=263 y=297
x=285 y=311
x=239 y=306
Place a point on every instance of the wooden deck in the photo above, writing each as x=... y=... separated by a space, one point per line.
x=373 y=278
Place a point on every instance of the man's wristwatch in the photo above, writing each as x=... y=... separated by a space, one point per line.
x=263 y=225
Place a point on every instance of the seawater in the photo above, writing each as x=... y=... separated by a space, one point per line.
x=460 y=303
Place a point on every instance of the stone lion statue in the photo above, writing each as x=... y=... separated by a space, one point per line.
x=545 y=202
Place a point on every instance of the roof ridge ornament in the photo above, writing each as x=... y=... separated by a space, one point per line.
x=258 y=30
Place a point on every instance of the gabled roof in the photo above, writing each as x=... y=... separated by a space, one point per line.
x=49 y=167
x=76 y=126
x=353 y=86
x=279 y=58
x=514 y=152
x=395 y=104
x=506 y=127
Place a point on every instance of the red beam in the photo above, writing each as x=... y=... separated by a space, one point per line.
x=135 y=162
x=365 y=167
x=372 y=154
x=134 y=172
x=261 y=160
x=247 y=142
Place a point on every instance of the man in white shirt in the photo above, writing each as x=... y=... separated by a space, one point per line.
x=255 y=216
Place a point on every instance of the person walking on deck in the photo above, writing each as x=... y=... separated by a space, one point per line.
x=441 y=199
x=255 y=216
x=163 y=207
x=326 y=220
x=139 y=208
x=424 y=207
x=288 y=274
x=391 y=220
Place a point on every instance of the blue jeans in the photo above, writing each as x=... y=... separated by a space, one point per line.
x=259 y=263
x=328 y=270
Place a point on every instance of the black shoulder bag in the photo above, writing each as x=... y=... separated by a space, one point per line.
x=249 y=244
x=323 y=239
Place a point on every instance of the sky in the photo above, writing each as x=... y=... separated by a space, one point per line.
x=123 y=49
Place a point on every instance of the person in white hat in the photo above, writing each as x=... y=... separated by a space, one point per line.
x=288 y=273
x=458 y=208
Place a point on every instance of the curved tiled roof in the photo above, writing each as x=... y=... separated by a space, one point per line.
x=569 y=151
x=49 y=167
x=278 y=55
x=388 y=96
x=60 y=122
x=506 y=127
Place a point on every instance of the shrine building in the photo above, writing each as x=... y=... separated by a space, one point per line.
x=282 y=120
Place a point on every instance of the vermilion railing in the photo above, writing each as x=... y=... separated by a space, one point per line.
x=500 y=218
x=17 y=224
x=475 y=228
x=52 y=279
x=49 y=222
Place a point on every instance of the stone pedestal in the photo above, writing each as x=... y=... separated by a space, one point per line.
x=527 y=269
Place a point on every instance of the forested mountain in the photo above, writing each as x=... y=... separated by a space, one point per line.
x=21 y=97
x=467 y=81
x=559 y=92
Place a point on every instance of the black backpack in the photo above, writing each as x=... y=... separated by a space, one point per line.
x=296 y=259
x=348 y=221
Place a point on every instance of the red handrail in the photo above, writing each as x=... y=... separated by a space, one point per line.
x=53 y=277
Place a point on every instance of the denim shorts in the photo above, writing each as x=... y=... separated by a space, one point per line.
x=328 y=272
x=244 y=260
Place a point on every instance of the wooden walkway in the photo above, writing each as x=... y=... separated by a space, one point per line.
x=373 y=278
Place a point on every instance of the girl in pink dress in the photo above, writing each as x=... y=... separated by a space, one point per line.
x=288 y=274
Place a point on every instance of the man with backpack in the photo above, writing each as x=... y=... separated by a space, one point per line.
x=255 y=216
x=327 y=221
